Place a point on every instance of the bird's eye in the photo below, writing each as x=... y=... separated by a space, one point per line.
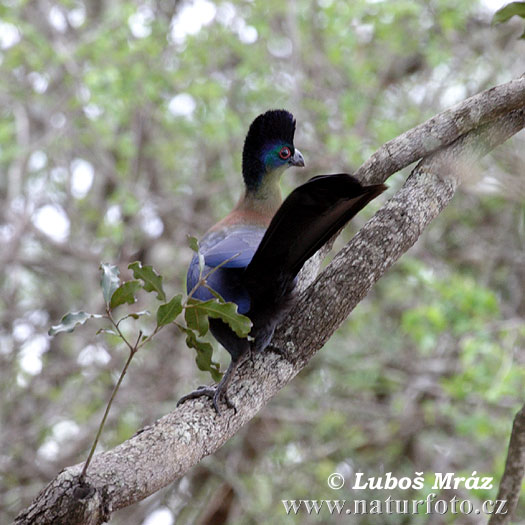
x=285 y=153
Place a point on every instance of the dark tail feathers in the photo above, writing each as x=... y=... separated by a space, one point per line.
x=306 y=220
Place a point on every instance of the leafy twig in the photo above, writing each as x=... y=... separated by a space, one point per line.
x=132 y=351
x=116 y=294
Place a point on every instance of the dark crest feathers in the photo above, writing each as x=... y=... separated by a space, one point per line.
x=276 y=125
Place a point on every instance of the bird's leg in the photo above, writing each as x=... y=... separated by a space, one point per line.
x=225 y=381
x=214 y=393
x=279 y=351
x=251 y=353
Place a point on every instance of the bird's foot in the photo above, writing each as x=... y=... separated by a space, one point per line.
x=279 y=351
x=251 y=355
x=212 y=392
x=215 y=393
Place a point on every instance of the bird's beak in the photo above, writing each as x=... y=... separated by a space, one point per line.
x=297 y=159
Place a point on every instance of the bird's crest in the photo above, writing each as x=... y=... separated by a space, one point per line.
x=274 y=126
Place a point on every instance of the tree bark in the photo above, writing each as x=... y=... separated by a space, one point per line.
x=510 y=485
x=159 y=454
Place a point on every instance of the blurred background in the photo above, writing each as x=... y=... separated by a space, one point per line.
x=121 y=129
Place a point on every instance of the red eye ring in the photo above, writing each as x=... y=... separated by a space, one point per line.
x=285 y=153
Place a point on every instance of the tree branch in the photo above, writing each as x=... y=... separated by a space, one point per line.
x=166 y=450
x=510 y=485
x=442 y=129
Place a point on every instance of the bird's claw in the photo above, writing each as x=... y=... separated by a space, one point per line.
x=214 y=393
x=251 y=355
x=279 y=351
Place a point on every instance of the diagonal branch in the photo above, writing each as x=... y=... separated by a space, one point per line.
x=390 y=233
x=510 y=485
x=442 y=129
x=166 y=450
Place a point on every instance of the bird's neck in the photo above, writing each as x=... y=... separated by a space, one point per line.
x=263 y=200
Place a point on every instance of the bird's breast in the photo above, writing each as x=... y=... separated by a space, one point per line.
x=243 y=217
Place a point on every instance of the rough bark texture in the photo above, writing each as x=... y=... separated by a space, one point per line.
x=510 y=485
x=164 y=451
x=443 y=129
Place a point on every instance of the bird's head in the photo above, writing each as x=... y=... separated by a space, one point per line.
x=269 y=148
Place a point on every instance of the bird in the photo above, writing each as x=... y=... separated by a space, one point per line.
x=253 y=255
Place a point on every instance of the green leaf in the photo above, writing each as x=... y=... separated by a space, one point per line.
x=193 y=243
x=151 y=279
x=204 y=357
x=507 y=12
x=69 y=322
x=125 y=293
x=169 y=311
x=109 y=280
x=239 y=323
x=196 y=318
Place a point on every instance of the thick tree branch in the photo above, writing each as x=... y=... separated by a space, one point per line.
x=510 y=485
x=163 y=452
x=442 y=129
x=389 y=234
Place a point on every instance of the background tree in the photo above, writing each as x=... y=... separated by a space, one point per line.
x=121 y=133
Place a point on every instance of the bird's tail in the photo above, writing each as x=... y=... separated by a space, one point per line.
x=306 y=220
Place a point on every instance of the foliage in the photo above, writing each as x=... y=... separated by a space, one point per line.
x=116 y=294
x=196 y=312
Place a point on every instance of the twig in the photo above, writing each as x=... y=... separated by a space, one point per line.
x=132 y=351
